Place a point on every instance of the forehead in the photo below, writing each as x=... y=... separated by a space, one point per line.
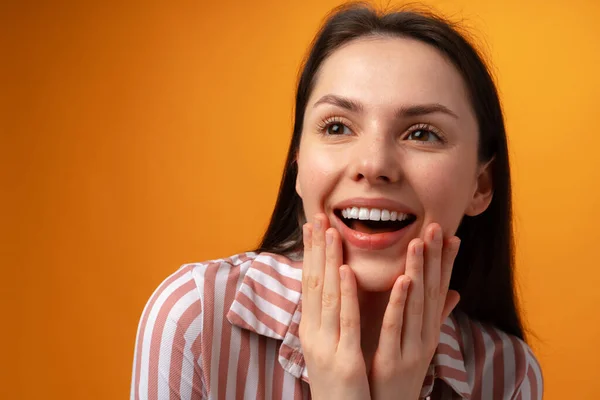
x=390 y=71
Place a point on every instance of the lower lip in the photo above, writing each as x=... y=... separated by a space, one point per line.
x=371 y=241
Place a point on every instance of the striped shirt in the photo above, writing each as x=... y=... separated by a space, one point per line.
x=228 y=329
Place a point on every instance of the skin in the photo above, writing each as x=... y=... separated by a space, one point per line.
x=378 y=152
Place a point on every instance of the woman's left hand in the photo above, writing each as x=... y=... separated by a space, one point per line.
x=419 y=303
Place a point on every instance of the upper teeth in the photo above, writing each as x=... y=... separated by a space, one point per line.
x=373 y=214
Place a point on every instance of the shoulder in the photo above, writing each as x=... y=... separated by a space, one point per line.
x=500 y=365
x=187 y=288
x=169 y=339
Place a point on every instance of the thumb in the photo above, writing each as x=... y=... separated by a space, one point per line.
x=452 y=299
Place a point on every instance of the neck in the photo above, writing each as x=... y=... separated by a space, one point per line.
x=372 y=308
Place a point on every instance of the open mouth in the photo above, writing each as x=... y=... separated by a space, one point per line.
x=373 y=220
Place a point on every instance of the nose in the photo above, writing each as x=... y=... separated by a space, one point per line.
x=375 y=160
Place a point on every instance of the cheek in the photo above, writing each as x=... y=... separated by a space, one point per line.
x=318 y=173
x=444 y=187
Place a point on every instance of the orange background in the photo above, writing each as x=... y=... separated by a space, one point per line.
x=136 y=137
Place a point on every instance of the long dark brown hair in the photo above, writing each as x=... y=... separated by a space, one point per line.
x=483 y=270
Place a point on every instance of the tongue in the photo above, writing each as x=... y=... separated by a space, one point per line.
x=372 y=227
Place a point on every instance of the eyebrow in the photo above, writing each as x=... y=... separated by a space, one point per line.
x=415 y=110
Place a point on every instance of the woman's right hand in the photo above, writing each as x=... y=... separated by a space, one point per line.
x=330 y=324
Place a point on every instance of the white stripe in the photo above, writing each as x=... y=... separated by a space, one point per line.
x=271 y=355
x=525 y=389
x=144 y=370
x=283 y=269
x=449 y=340
x=266 y=306
x=219 y=289
x=187 y=368
x=487 y=380
x=167 y=339
x=252 y=377
x=235 y=345
x=446 y=360
x=535 y=366
x=254 y=322
x=274 y=285
x=289 y=384
x=135 y=353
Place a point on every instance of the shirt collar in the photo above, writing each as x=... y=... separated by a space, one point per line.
x=268 y=302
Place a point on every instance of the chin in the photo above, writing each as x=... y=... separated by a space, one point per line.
x=375 y=272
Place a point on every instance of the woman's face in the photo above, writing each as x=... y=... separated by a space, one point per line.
x=389 y=133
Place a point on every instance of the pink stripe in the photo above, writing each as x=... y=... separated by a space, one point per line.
x=230 y=289
x=447 y=350
x=520 y=362
x=283 y=260
x=262 y=362
x=479 y=356
x=278 y=372
x=208 y=316
x=176 y=369
x=144 y=321
x=243 y=364
x=157 y=334
x=498 y=361
x=272 y=297
x=263 y=317
x=290 y=283
x=298 y=390
x=452 y=373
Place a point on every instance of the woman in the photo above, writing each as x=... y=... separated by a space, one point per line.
x=359 y=290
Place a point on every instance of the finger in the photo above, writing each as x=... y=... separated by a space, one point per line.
x=390 y=338
x=308 y=306
x=449 y=254
x=317 y=269
x=349 y=311
x=413 y=316
x=432 y=271
x=330 y=309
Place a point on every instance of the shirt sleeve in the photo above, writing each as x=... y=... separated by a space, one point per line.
x=531 y=383
x=167 y=359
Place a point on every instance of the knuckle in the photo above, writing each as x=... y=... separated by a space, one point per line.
x=313 y=282
x=390 y=326
x=346 y=322
x=329 y=300
x=433 y=292
x=348 y=371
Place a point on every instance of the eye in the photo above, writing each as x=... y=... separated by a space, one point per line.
x=423 y=134
x=334 y=127
x=337 y=128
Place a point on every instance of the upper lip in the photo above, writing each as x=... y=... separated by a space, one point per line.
x=380 y=203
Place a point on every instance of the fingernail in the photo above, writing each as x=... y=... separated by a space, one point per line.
x=418 y=248
x=328 y=238
x=436 y=235
x=343 y=273
x=317 y=223
x=405 y=283
x=456 y=243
